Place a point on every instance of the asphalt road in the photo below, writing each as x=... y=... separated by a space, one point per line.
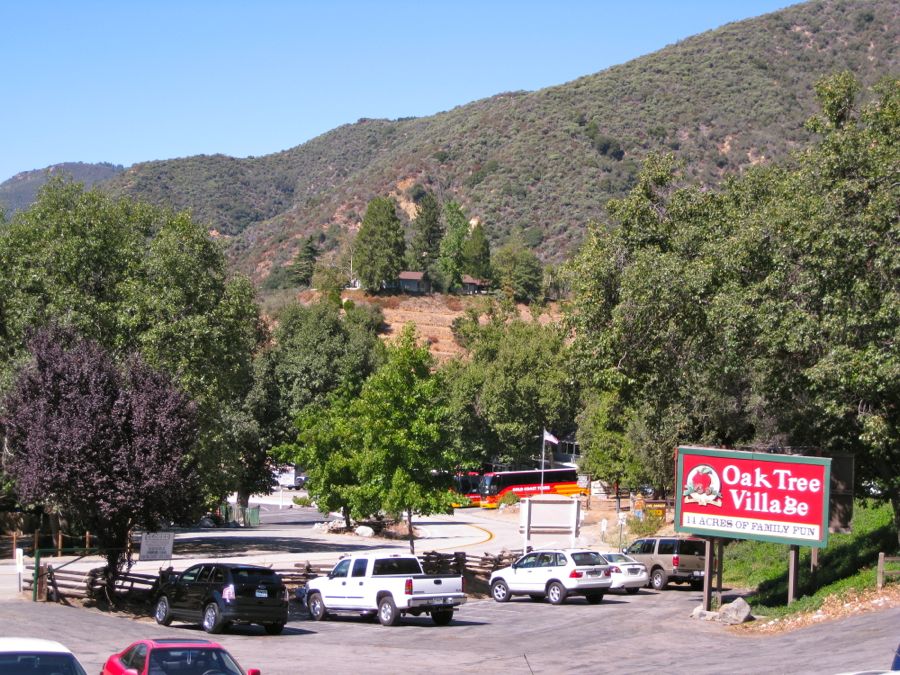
x=645 y=633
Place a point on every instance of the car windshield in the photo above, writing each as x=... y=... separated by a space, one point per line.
x=618 y=558
x=29 y=663
x=588 y=558
x=192 y=661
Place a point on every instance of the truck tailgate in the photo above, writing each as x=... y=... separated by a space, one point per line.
x=436 y=585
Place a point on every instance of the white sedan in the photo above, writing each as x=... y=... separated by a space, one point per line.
x=626 y=572
x=554 y=574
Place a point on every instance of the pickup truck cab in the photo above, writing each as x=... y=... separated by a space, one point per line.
x=387 y=585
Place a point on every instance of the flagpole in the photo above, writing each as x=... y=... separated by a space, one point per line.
x=543 y=450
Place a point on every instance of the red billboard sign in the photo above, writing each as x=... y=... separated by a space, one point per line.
x=753 y=495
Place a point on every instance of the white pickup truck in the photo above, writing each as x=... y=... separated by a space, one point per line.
x=386 y=585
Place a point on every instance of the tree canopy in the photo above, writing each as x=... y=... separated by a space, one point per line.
x=135 y=278
x=109 y=446
x=765 y=313
x=379 y=245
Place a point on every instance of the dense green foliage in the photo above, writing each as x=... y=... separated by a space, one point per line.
x=765 y=313
x=451 y=254
x=847 y=563
x=379 y=245
x=517 y=272
x=517 y=382
x=385 y=449
x=136 y=279
x=316 y=350
x=428 y=232
x=477 y=254
x=545 y=162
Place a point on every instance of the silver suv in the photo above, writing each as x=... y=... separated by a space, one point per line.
x=678 y=559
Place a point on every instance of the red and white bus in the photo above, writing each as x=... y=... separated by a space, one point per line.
x=465 y=487
x=494 y=485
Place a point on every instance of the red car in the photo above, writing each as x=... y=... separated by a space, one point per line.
x=174 y=657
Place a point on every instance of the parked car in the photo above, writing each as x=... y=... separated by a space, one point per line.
x=27 y=656
x=219 y=594
x=555 y=574
x=174 y=656
x=678 y=559
x=626 y=572
x=387 y=586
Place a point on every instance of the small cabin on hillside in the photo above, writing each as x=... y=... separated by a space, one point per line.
x=472 y=286
x=414 y=282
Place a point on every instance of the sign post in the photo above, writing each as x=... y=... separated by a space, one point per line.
x=754 y=495
x=157 y=545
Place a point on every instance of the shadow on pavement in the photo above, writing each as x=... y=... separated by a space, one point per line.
x=208 y=547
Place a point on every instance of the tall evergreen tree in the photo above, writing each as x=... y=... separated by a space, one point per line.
x=477 y=254
x=379 y=245
x=304 y=263
x=518 y=271
x=428 y=232
x=450 y=260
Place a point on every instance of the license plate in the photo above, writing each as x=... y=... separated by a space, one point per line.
x=593 y=573
x=698 y=573
x=633 y=570
x=262 y=593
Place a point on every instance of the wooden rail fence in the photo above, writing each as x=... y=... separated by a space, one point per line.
x=59 y=583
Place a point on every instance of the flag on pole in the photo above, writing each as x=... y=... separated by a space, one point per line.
x=550 y=438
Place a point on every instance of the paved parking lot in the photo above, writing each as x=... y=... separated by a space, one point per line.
x=645 y=633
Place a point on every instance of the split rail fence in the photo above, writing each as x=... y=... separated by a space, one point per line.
x=57 y=583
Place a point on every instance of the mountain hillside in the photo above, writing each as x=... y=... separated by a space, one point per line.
x=19 y=191
x=542 y=162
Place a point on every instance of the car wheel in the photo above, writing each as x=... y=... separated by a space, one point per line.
x=316 y=606
x=500 y=591
x=658 y=579
x=556 y=593
x=442 y=617
x=632 y=590
x=212 y=619
x=274 y=628
x=163 y=612
x=594 y=598
x=387 y=612
x=697 y=584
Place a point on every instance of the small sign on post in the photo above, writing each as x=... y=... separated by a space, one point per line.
x=157 y=545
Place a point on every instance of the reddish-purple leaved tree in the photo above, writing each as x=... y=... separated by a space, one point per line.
x=106 y=445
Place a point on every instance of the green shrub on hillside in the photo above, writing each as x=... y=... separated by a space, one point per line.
x=846 y=563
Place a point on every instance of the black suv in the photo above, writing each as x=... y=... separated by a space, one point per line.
x=220 y=594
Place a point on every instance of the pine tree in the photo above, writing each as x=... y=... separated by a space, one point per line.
x=477 y=254
x=450 y=261
x=427 y=234
x=379 y=245
x=304 y=263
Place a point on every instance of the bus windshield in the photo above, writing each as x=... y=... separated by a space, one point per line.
x=487 y=486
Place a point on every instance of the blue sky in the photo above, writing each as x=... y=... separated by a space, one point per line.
x=134 y=80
